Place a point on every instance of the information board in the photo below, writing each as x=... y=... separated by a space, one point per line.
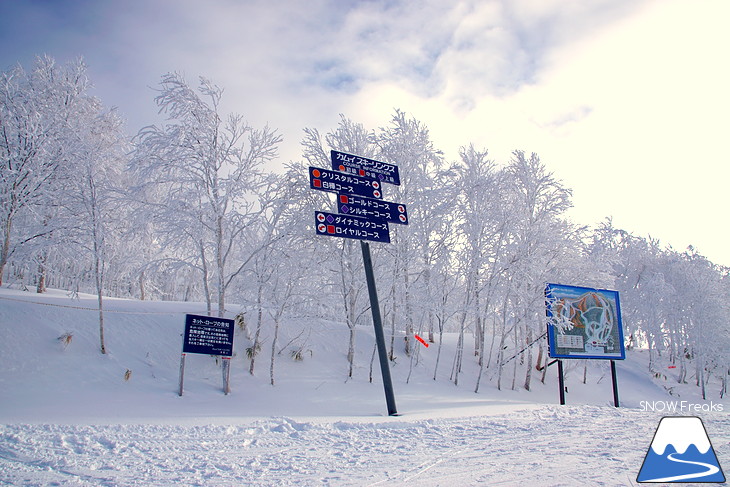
x=584 y=323
x=208 y=335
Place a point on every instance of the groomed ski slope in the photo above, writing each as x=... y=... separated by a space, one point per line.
x=69 y=417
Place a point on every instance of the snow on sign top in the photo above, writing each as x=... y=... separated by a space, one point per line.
x=364 y=167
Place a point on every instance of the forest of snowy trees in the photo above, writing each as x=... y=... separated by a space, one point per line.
x=201 y=208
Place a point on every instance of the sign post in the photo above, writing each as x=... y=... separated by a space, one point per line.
x=378 y=325
x=210 y=336
x=584 y=323
x=364 y=216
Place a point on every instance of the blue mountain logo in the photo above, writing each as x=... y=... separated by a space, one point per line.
x=681 y=452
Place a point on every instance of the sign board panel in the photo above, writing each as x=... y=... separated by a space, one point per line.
x=347 y=226
x=362 y=166
x=584 y=323
x=337 y=182
x=208 y=335
x=372 y=209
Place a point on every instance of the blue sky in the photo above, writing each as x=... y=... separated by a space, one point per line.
x=625 y=100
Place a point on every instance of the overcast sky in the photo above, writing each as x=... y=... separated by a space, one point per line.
x=626 y=101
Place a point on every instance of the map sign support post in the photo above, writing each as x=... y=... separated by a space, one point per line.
x=584 y=323
x=363 y=216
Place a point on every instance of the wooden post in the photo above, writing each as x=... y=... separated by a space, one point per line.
x=182 y=373
x=226 y=375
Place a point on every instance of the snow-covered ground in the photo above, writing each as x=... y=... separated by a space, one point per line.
x=71 y=416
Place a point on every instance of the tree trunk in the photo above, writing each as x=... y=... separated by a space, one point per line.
x=273 y=348
x=409 y=316
x=5 y=249
x=142 y=293
x=257 y=336
x=220 y=264
x=206 y=284
x=528 y=374
x=438 y=351
x=42 y=271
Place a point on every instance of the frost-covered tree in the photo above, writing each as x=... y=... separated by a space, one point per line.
x=94 y=206
x=426 y=189
x=36 y=110
x=200 y=175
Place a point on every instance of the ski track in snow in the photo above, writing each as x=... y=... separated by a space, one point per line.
x=550 y=446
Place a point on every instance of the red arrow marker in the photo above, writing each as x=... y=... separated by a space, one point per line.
x=421 y=340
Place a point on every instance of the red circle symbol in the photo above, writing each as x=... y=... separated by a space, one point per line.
x=315 y=173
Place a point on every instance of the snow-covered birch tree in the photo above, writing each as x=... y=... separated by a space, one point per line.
x=202 y=172
x=35 y=108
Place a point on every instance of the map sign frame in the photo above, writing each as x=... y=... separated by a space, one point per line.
x=584 y=323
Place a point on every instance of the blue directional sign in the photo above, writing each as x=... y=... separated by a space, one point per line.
x=208 y=335
x=364 y=167
x=347 y=226
x=337 y=182
x=372 y=209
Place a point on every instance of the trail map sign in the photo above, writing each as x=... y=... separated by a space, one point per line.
x=584 y=323
x=362 y=166
x=210 y=336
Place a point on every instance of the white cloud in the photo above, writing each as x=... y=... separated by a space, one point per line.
x=625 y=101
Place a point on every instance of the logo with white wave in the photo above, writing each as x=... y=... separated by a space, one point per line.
x=681 y=452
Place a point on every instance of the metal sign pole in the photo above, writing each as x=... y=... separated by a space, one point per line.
x=378 y=325
x=615 y=383
x=561 y=382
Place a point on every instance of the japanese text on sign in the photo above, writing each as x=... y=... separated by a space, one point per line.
x=208 y=335
x=373 y=209
x=346 y=226
x=362 y=166
x=336 y=182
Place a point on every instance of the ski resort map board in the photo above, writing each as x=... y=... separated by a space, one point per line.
x=584 y=323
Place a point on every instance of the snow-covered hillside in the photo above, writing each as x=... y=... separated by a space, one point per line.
x=71 y=416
